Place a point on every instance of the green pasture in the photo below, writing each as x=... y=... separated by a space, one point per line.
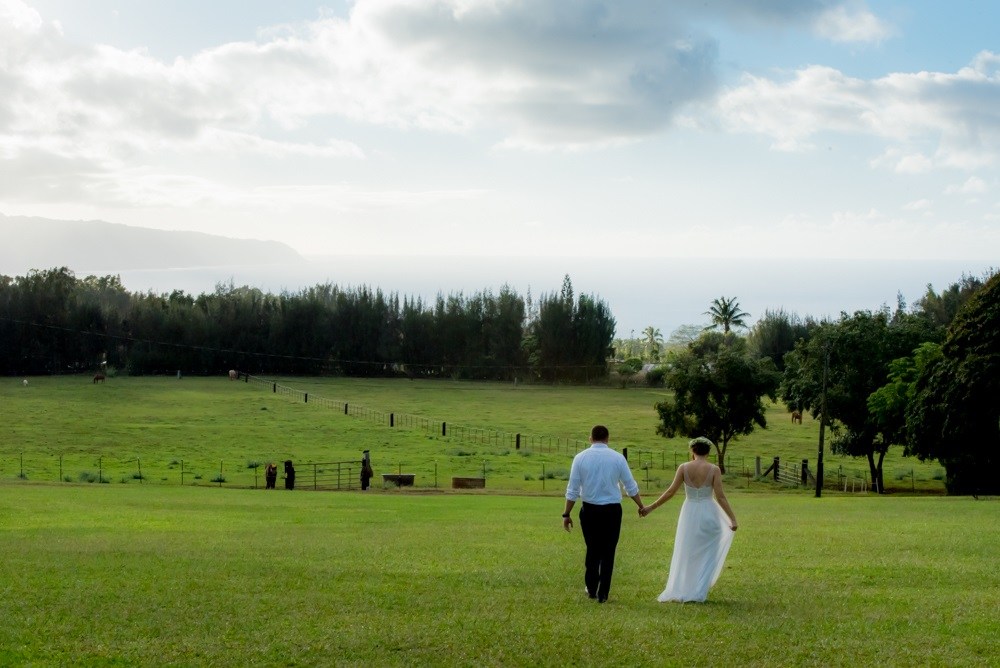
x=215 y=432
x=97 y=575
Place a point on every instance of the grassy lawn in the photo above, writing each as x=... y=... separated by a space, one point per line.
x=167 y=575
x=215 y=432
x=147 y=571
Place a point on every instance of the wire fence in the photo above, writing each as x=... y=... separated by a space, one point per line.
x=653 y=468
x=539 y=443
x=85 y=468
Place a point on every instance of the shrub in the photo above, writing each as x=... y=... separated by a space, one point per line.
x=655 y=376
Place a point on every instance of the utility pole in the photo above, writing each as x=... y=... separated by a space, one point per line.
x=822 y=422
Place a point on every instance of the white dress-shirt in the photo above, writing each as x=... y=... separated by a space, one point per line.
x=597 y=476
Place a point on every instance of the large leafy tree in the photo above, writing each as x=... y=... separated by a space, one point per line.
x=727 y=314
x=718 y=389
x=776 y=334
x=858 y=351
x=954 y=416
x=888 y=404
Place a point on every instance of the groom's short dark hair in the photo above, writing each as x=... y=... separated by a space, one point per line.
x=599 y=434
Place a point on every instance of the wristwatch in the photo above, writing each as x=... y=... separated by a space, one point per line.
x=565 y=515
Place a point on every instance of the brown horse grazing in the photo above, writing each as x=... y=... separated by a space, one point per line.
x=796 y=417
x=99 y=378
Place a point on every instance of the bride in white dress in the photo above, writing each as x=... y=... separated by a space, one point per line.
x=704 y=529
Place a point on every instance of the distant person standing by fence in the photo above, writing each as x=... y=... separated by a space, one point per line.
x=366 y=470
x=289 y=475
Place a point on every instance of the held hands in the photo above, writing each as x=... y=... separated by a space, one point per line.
x=645 y=510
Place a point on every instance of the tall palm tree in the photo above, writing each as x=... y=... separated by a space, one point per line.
x=727 y=314
x=653 y=341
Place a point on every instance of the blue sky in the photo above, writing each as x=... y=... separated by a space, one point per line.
x=781 y=129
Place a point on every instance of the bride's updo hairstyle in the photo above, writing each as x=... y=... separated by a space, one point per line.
x=701 y=446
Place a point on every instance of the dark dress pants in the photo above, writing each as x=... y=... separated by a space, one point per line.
x=601 y=527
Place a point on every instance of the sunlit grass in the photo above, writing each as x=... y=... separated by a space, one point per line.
x=156 y=430
x=154 y=575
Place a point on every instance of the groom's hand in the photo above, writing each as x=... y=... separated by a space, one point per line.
x=567 y=523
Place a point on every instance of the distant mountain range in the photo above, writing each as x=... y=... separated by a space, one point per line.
x=96 y=246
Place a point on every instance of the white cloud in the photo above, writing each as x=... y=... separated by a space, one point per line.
x=19 y=17
x=916 y=163
x=539 y=73
x=222 y=141
x=918 y=205
x=956 y=115
x=842 y=23
x=972 y=186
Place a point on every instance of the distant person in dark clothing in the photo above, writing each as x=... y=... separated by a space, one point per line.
x=270 y=475
x=289 y=475
x=366 y=471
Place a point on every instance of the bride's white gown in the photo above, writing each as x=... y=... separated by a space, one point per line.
x=700 y=547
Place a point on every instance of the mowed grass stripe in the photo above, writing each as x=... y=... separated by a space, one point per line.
x=158 y=575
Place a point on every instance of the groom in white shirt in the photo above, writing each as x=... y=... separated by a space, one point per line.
x=597 y=477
